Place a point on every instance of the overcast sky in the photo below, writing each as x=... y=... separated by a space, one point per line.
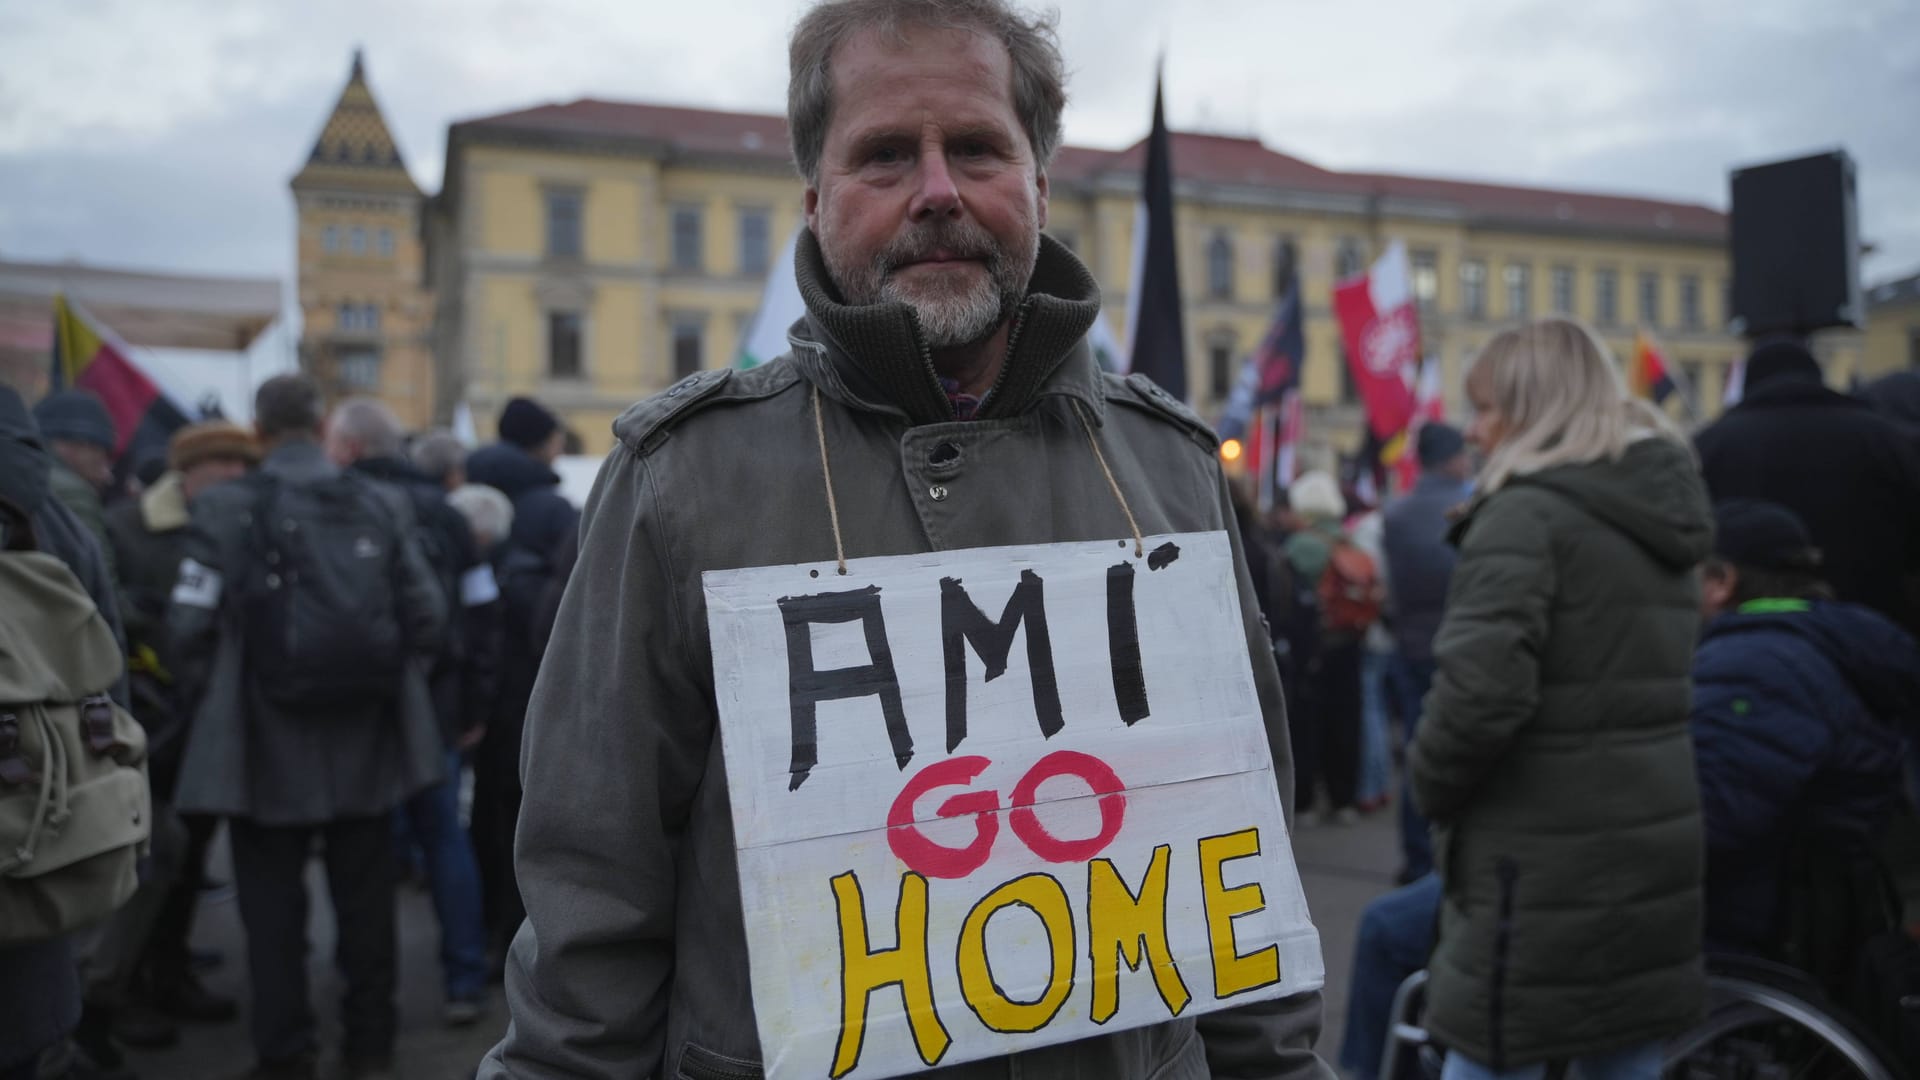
x=162 y=134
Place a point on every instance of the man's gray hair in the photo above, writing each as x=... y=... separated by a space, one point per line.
x=438 y=453
x=488 y=512
x=372 y=425
x=1039 y=75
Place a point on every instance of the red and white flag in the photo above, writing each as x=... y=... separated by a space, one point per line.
x=1381 y=326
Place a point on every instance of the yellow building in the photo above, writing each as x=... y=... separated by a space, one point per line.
x=591 y=253
x=1892 y=339
x=366 y=318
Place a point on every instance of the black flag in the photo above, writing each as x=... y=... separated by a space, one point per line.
x=1157 y=343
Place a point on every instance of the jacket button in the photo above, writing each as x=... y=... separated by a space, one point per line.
x=938 y=492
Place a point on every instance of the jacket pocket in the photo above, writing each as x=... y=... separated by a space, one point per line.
x=699 y=1063
x=1507 y=872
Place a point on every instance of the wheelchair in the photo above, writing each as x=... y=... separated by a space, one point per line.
x=1764 y=1021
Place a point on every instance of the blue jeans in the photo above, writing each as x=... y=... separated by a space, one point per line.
x=433 y=818
x=1409 y=681
x=1376 y=750
x=1394 y=941
x=1641 y=1062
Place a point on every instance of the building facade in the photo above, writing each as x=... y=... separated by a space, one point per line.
x=366 y=315
x=1892 y=339
x=591 y=253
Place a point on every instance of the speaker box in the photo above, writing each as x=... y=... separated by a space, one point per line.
x=1795 y=246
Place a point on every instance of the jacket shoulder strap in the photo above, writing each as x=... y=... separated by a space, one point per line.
x=648 y=422
x=1143 y=393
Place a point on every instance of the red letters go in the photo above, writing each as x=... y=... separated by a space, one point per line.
x=939 y=861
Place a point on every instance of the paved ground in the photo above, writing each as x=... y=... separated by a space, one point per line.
x=1342 y=867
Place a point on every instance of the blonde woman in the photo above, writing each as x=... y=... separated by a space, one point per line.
x=1553 y=754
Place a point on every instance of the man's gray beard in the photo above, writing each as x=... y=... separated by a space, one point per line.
x=947 y=319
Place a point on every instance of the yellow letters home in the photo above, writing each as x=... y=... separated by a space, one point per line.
x=1045 y=898
x=864 y=969
x=1123 y=926
x=1232 y=972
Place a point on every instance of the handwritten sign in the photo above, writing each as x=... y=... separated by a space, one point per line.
x=992 y=799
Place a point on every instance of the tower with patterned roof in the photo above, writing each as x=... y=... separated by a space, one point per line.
x=367 y=317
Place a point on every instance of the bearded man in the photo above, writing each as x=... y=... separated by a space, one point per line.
x=938 y=395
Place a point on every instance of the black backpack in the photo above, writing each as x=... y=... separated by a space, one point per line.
x=320 y=604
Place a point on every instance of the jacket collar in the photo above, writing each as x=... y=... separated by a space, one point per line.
x=873 y=357
x=299 y=459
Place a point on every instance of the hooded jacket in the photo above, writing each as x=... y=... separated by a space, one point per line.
x=1553 y=757
x=1800 y=716
x=633 y=958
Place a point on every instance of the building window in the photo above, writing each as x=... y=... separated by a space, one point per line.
x=1349 y=387
x=347 y=317
x=357 y=241
x=1426 y=277
x=1606 y=297
x=755 y=234
x=360 y=370
x=1473 y=288
x=1220 y=266
x=1347 y=258
x=1563 y=290
x=1220 y=366
x=686 y=238
x=1650 y=299
x=1690 y=301
x=386 y=243
x=1726 y=301
x=689 y=345
x=1519 y=280
x=563 y=224
x=1285 y=266
x=563 y=345
x=330 y=238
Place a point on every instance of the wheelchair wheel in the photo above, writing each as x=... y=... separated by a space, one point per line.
x=1758 y=1030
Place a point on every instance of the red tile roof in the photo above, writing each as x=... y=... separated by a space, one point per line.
x=1199 y=158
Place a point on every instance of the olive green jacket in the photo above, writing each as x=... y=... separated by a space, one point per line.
x=633 y=958
x=1553 y=757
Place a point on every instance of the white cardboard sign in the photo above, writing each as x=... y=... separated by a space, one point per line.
x=992 y=799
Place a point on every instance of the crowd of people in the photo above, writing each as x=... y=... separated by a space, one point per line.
x=325 y=623
x=1657 y=699
x=1655 y=694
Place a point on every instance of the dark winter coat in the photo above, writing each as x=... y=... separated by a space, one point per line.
x=149 y=540
x=248 y=758
x=538 y=507
x=1850 y=473
x=1799 y=714
x=464 y=675
x=1553 y=756
x=1420 y=561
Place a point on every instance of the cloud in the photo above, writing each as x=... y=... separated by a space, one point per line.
x=164 y=134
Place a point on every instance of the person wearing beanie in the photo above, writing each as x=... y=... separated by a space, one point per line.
x=79 y=435
x=1419 y=571
x=1800 y=708
x=527 y=424
x=1326 y=684
x=1849 y=472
